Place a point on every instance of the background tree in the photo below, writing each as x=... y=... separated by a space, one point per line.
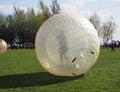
x=95 y=20
x=34 y=21
x=55 y=7
x=10 y=32
x=109 y=28
x=2 y=26
x=45 y=10
x=19 y=18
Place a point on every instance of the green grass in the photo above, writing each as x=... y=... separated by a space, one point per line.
x=20 y=71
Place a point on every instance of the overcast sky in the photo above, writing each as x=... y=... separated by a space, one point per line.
x=104 y=8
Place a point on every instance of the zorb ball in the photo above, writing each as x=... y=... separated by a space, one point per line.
x=3 y=46
x=67 y=45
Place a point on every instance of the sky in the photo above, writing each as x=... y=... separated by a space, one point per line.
x=104 y=8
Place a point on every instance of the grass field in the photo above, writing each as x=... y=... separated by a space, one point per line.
x=20 y=71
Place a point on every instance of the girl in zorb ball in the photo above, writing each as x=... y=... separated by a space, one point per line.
x=3 y=46
x=67 y=45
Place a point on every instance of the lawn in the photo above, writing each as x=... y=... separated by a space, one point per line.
x=20 y=71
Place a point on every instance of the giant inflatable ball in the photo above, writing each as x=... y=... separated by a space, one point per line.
x=3 y=46
x=67 y=45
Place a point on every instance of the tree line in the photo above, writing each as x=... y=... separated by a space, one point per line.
x=23 y=26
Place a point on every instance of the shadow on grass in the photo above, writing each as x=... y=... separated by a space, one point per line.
x=32 y=79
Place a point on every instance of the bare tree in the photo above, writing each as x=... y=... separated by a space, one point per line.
x=55 y=7
x=95 y=20
x=109 y=28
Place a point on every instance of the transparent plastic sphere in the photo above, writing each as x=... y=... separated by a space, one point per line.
x=3 y=46
x=67 y=45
